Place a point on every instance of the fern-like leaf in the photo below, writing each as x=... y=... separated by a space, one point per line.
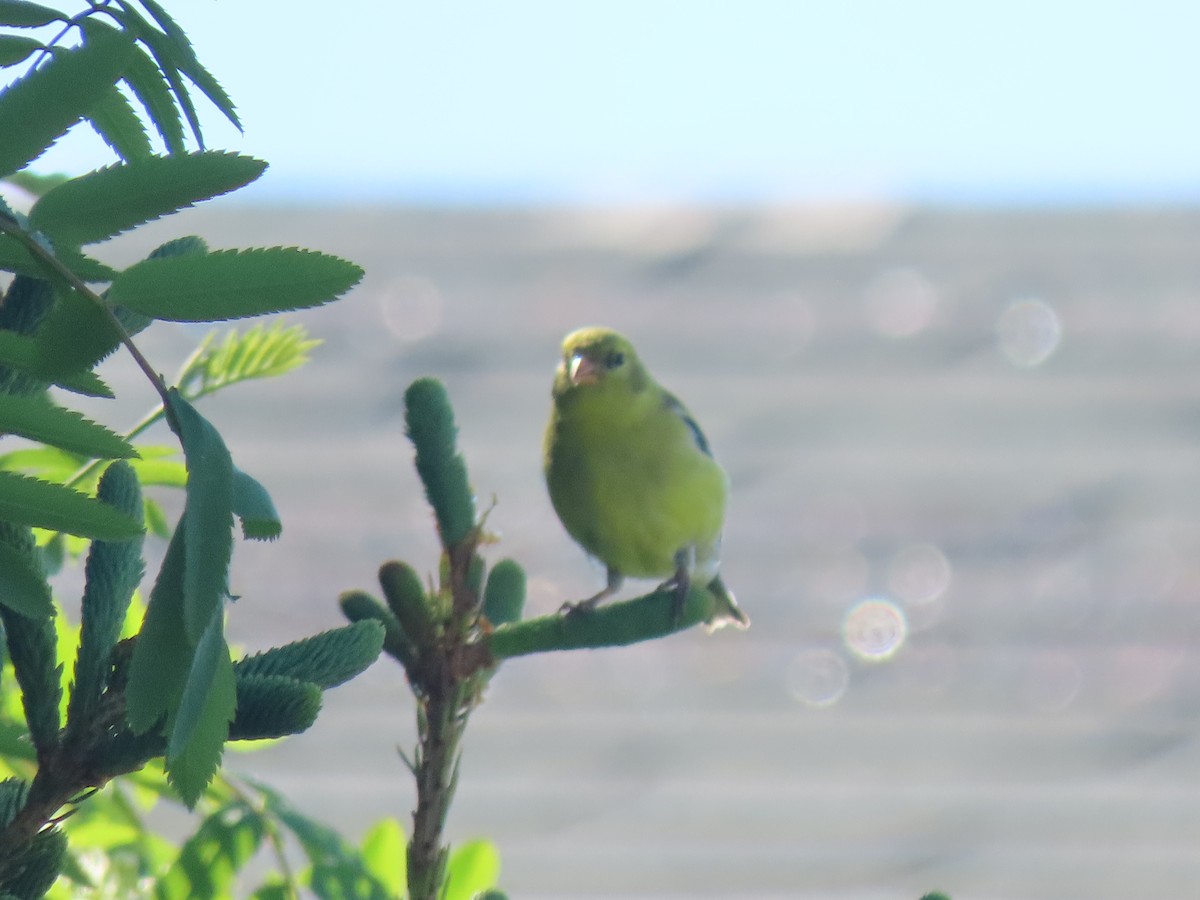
x=261 y=352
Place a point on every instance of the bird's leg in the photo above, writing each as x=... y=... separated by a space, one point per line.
x=680 y=583
x=612 y=585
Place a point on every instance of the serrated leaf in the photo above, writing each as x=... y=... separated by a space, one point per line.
x=201 y=725
x=23 y=588
x=231 y=284
x=112 y=200
x=253 y=507
x=15 y=48
x=190 y=65
x=208 y=522
x=21 y=352
x=38 y=109
x=39 y=504
x=166 y=59
x=75 y=336
x=114 y=119
x=150 y=87
x=162 y=655
x=22 y=14
x=38 y=419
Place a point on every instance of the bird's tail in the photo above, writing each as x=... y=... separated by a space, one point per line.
x=725 y=611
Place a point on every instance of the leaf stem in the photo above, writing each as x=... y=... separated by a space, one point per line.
x=49 y=260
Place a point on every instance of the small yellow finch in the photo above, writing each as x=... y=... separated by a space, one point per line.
x=631 y=475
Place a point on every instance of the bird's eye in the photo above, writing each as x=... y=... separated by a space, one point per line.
x=614 y=360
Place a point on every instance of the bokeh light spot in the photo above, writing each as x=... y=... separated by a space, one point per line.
x=875 y=629
x=900 y=302
x=1028 y=332
x=918 y=577
x=411 y=307
x=818 y=677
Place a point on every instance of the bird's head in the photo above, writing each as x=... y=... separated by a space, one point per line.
x=598 y=360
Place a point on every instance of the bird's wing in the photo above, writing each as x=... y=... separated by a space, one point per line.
x=672 y=404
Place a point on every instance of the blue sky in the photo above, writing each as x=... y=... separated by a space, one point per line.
x=548 y=101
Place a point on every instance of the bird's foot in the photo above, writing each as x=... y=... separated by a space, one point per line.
x=581 y=606
x=678 y=584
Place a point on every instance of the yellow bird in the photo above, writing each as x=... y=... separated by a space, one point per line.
x=631 y=475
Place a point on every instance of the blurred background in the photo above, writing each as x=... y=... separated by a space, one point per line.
x=928 y=277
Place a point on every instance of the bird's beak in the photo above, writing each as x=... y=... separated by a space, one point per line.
x=583 y=370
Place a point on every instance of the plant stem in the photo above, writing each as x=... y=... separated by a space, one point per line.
x=441 y=727
x=50 y=261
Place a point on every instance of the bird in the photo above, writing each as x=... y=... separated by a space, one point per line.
x=632 y=477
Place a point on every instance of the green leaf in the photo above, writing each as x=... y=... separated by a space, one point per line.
x=208 y=523
x=75 y=336
x=210 y=861
x=38 y=419
x=114 y=119
x=20 y=352
x=23 y=587
x=39 y=504
x=359 y=606
x=37 y=867
x=166 y=58
x=504 y=596
x=253 y=507
x=35 y=184
x=39 y=108
x=385 y=855
x=273 y=706
x=15 y=47
x=201 y=724
x=338 y=872
x=473 y=868
x=159 y=472
x=150 y=87
x=190 y=65
x=431 y=428
x=47 y=463
x=109 y=201
x=112 y=573
x=261 y=352
x=231 y=284
x=22 y=14
x=33 y=648
x=162 y=654
x=327 y=659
